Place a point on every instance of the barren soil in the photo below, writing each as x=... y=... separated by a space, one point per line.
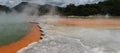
x=109 y=23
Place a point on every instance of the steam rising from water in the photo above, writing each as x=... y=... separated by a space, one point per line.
x=69 y=39
x=64 y=39
x=29 y=13
x=11 y=18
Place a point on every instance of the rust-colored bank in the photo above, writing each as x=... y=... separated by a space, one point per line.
x=33 y=35
x=89 y=23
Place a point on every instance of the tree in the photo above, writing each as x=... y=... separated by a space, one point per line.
x=4 y=9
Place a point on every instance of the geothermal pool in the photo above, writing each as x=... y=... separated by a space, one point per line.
x=74 y=39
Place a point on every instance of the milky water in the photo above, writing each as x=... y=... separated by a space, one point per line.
x=69 y=39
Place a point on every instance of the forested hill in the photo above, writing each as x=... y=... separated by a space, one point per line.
x=4 y=9
x=111 y=7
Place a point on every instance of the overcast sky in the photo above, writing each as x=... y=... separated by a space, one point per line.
x=61 y=3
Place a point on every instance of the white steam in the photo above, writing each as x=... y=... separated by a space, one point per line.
x=29 y=13
x=61 y=3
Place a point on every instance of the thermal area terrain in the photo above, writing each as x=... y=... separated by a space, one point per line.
x=76 y=36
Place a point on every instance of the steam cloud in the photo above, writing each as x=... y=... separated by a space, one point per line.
x=29 y=13
x=61 y=3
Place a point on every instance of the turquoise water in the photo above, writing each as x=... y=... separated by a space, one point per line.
x=11 y=32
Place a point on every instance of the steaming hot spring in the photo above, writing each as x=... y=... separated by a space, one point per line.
x=64 y=35
x=59 y=34
x=32 y=32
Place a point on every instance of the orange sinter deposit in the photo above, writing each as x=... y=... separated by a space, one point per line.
x=89 y=22
x=32 y=36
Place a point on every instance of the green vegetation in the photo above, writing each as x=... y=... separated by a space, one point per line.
x=95 y=17
x=111 y=7
x=11 y=32
x=4 y=9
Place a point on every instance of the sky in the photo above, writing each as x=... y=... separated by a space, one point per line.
x=61 y=3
